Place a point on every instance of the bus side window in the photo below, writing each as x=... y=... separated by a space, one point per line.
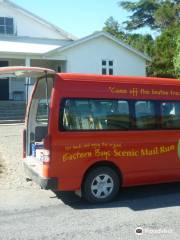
x=92 y=114
x=170 y=114
x=84 y=115
x=118 y=117
x=99 y=110
x=77 y=115
x=145 y=115
x=70 y=115
x=177 y=115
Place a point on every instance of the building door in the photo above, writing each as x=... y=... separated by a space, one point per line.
x=4 y=84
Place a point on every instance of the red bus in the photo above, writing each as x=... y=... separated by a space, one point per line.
x=93 y=134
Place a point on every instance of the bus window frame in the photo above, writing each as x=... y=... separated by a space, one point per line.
x=132 y=116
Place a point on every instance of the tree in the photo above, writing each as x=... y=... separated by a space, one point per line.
x=177 y=58
x=142 y=13
x=168 y=14
x=156 y=14
x=143 y=43
x=164 y=50
x=113 y=27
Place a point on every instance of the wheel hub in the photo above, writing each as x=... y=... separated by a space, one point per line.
x=102 y=186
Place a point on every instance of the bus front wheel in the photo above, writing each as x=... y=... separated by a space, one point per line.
x=101 y=185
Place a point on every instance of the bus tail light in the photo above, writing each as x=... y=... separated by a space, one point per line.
x=47 y=147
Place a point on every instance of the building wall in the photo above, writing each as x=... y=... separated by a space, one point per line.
x=87 y=58
x=27 y=26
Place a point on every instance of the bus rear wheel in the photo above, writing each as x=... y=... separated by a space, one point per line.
x=101 y=185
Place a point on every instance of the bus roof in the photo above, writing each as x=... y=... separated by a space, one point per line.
x=119 y=79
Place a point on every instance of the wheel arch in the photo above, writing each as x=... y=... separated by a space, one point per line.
x=104 y=163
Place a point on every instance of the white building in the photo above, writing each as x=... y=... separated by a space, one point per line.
x=28 y=40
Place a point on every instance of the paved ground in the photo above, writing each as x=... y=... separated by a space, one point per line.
x=29 y=213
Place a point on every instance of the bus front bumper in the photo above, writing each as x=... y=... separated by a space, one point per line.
x=44 y=183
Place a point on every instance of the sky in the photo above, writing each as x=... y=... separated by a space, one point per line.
x=78 y=17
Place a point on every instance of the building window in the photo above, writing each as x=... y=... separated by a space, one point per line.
x=104 y=62
x=111 y=63
x=110 y=71
x=104 y=71
x=59 y=69
x=6 y=25
x=107 y=67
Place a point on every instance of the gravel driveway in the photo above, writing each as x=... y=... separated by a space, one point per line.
x=1 y=165
x=11 y=169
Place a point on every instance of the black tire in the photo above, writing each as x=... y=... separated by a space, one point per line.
x=103 y=193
